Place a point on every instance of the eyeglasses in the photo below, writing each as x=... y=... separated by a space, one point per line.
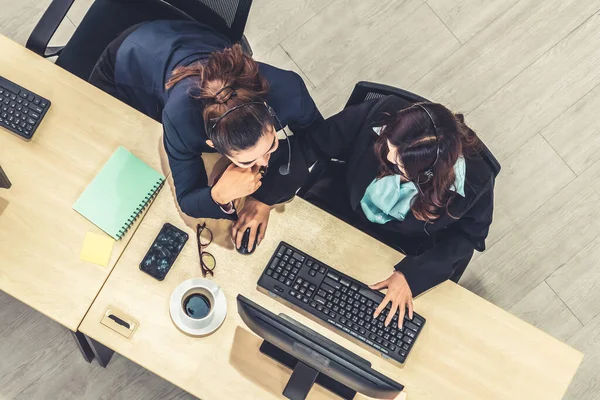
x=204 y=237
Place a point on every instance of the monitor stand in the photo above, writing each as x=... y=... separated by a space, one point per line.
x=304 y=377
x=4 y=182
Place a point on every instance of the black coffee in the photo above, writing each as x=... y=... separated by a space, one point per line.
x=196 y=306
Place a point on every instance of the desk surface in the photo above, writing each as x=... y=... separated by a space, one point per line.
x=40 y=235
x=469 y=349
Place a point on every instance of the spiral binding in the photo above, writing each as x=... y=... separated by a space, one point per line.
x=140 y=208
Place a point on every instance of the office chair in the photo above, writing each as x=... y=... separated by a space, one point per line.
x=364 y=91
x=106 y=19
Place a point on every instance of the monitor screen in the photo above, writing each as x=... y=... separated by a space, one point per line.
x=286 y=338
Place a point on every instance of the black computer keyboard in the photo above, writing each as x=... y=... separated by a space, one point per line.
x=21 y=111
x=339 y=300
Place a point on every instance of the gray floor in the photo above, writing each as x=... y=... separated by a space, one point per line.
x=524 y=72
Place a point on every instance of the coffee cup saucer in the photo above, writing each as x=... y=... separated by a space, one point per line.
x=219 y=313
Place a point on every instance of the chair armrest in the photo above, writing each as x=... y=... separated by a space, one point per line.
x=45 y=28
x=246 y=46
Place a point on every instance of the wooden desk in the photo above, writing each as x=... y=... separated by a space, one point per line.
x=469 y=349
x=40 y=235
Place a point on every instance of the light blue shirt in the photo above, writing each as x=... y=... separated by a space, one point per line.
x=389 y=198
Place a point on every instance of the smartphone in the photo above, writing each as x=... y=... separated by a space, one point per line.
x=164 y=250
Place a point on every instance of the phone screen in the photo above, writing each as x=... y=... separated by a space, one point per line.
x=162 y=254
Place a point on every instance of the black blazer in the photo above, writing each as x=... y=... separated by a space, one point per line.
x=432 y=249
x=144 y=62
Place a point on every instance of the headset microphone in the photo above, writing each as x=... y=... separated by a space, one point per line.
x=284 y=169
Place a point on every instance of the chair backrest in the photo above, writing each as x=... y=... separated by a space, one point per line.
x=228 y=16
x=106 y=19
x=364 y=91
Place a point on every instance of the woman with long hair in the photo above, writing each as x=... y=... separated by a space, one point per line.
x=210 y=96
x=414 y=178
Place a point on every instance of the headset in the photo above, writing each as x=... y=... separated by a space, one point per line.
x=429 y=171
x=284 y=169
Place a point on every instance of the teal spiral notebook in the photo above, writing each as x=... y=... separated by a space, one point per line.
x=119 y=193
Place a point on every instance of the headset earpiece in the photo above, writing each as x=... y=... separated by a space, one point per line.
x=429 y=172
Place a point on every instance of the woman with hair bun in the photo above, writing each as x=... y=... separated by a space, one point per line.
x=210 y=96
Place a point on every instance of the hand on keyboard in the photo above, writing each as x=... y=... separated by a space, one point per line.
x=398 y=294
x=345 y=303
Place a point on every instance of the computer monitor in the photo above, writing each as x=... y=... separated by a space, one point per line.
x=4 y=182
x=313 y=357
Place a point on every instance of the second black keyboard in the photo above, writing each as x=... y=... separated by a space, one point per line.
x=339 y=300
x=21 y=111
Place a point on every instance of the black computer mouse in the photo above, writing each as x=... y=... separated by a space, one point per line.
x=245 y=240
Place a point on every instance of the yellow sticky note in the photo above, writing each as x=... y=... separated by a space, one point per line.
x=97 y=249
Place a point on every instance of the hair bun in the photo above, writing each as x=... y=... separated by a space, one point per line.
x=223 y=94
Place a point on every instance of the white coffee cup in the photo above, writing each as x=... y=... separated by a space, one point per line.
x=194 y=299
x=208 y=308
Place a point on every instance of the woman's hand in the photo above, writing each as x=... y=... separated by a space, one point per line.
x=399 y=294
x=236 y=183
x=254 y=215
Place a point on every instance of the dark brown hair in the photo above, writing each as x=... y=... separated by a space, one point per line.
x=228 y=79
x=412 y=132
